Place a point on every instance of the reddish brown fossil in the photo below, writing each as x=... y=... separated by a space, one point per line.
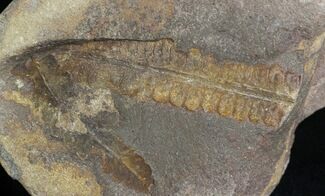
x=156 y=70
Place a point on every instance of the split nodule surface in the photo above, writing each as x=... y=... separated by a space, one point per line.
x=72 y=88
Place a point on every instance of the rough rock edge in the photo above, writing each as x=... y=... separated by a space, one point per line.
x=315 y=98
x=313 y=101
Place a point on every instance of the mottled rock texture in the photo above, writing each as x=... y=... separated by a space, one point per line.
x=151 y=97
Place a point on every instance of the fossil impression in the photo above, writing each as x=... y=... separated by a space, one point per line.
x=72 y=86
x=155 y=70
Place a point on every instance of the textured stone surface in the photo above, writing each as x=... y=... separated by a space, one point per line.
x=315 y=99
x=71 y=123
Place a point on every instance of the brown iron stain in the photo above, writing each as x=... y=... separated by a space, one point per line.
x=57 y=174
x=155 y=70
x=127 y=166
